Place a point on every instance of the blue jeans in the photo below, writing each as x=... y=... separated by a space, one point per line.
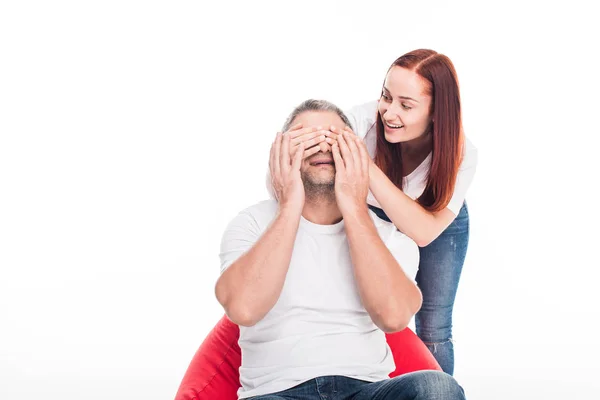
x=439 y=273
x=421 y=385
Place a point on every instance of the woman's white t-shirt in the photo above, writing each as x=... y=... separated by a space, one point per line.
x=363 y=118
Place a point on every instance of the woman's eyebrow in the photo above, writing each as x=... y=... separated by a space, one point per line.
x=402 y=97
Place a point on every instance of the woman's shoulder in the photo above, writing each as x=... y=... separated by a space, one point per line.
x=362 y=117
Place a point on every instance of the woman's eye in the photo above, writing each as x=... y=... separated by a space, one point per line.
x=406 y=107
x=385 y=96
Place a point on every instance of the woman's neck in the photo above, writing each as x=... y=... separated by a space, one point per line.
x=415 y=151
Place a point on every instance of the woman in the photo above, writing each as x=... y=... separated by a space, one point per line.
x=414 y=133
x=421 y=169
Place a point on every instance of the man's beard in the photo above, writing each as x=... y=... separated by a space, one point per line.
x=318 y=189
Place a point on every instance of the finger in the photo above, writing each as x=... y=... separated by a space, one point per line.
x=277 y=158
x=295 y=127
x=349 y=130
x=337 y=159
x=299 y=132
x=272 y=171
x=349 y=138
x=272 y=159
x=298 y=158
x=311 y=151
x=285 y=154
x=312 y=142
x=364 y=155
x=331 y=134
x=346 y=154
x=330 y=141
x=308 y=136
x=354 y=150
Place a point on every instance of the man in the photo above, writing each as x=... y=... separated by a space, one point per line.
x=315 y=278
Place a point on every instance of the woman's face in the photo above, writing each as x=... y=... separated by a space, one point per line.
x=404 y=105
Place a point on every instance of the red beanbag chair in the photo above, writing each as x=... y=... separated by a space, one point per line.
x=213 y=373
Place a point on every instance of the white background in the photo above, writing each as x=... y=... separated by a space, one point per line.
x=133 y=131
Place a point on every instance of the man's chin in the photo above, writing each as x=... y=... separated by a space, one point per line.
x=320 y=179
x=320 y=182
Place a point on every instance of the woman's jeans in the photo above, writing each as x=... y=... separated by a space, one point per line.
x=439 y=272
x=421 y=385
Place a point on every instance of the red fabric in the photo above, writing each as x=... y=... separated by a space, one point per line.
x=213 y=373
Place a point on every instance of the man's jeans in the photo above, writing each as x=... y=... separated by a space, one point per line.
x=420 y=385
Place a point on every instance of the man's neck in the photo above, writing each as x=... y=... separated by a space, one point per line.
x=321 y=209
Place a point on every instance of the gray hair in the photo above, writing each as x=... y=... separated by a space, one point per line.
x=314 y=105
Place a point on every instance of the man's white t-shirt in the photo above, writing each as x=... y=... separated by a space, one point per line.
x=363 y=120
x=318 y=326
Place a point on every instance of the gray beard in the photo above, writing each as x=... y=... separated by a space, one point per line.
x=319 y=192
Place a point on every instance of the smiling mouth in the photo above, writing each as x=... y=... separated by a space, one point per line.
x=393 y=126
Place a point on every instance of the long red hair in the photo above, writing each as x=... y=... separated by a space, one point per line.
x=446 y=129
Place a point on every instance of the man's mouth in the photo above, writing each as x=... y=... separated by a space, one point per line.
x=391 y=126
x=324 y=161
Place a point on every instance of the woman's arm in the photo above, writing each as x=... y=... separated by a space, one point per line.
x=409 y=216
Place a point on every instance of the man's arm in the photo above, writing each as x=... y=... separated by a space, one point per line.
x=251 y=285
x=389 y=296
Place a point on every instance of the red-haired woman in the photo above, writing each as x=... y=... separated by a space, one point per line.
x=421 y=170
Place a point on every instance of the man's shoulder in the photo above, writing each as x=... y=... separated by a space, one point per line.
x=262 y=212
x=268 y=206
x=380 y=224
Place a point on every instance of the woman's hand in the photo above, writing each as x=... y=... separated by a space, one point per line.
x=313 y=139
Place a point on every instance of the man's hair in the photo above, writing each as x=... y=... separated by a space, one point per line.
x=314 y=105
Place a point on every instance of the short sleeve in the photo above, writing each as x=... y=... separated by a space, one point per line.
x=362 y=117
x=239 y=237
x=465 y=176
x=405 y=251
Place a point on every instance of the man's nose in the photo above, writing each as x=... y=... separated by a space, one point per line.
x=325 y=147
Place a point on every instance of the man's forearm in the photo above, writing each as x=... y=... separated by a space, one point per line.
x=389 y=296
x=250 y=287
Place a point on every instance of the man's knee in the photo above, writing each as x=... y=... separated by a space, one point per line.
x=435 y=385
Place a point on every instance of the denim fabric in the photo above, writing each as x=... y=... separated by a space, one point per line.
x=421 y=385
x=439 y=273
